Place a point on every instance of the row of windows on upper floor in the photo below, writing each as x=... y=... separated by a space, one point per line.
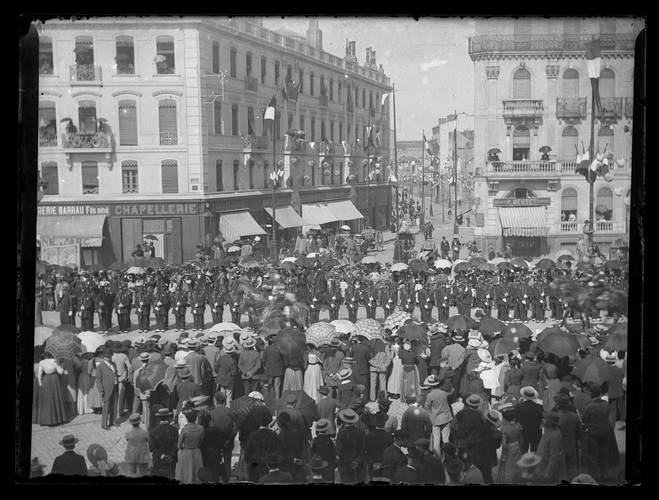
x=570 y=83
x=334 y=174
x=165 y=61
x=90 y=124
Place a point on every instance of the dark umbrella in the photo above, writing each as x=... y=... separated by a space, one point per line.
x=593 y=369
x=303 y=402
x=502 y=346
x=151 y=375
x=495 y=151
x=584 y=267
x=545 y=264
x=547 y=331
x=559 y=343
x=151 y=237
x=289 y=266
x=616 y=342
x=545 y=149
x=62 y=344
x=487 y=267
x=462 y=267
x=413 y=332
x=242 y=406
x=490 y=326
x=291 y=344
x=477 y=261
x=612 y=264
x=417 y=266
x=564 y=258
x=460 y=322
x=517 y=330
x=505 y=266
x=519 y=263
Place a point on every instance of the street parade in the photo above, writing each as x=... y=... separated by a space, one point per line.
x=420 y=373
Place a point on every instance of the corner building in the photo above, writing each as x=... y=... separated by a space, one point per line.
x=154 y=127
x=533 y=90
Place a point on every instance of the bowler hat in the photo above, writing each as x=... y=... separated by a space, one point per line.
x=163 y=413
x=473 y=401
x=69 y=441
x=323 y=426
x=229 y=348
x=134 y=418
x=529 y=460
x=348 y=416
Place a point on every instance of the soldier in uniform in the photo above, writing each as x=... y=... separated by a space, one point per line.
x=537 y=302
x=442 y=302
x=161 y=307
x=352 y=301
x=198 y=306
x=66 y=306
x=124 y=303
x=371 y=301
x=104 y=303
x=143 y=304
x=466 y=300
x=180 y=304
x=87 y=308
x=389 y=299
x=314 y=306
x=335 y=300
x=502 y=300
x=216 y=300
x=425 y=303
x=522 y=303
x=555 y=302
x=406 y=299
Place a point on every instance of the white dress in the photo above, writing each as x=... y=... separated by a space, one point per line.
x=393 y=384
x=313 y=379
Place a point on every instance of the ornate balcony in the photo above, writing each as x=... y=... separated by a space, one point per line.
x=523 y=169
x=255 y=143
x=323 y=101
x=251 y=84
x=629 y=107
x=611 y=109
x=604 y=226
x=96 y=142
x=84 y=74
x=47 y=139
x=571 y=110
x=569 y=227
x=528 y=111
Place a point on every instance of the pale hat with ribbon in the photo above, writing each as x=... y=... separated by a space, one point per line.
x=474 y=343
x=484 y=355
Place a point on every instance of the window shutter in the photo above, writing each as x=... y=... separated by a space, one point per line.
x=569 y=200
x=87 y=117
x=168 y=126
x=216 y=57
x=169 y=177
x=49 y=176
x=129 y=176
x=127 y=123
x=569 y=140
x=89 y=177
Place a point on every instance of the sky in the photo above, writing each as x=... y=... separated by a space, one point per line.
x=427 y=60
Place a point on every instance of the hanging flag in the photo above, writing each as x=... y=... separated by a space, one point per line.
x=384 y=98
x=378 y=139
x=426 y=144
x=593 y=63
x=369 y=134
x=269 y=115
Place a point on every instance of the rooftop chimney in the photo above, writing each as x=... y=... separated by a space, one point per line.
x=368 y=56
x=350 y=52
x=314 y=34
x=373 y=63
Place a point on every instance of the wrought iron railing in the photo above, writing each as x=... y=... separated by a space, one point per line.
x=85 y=73
x=611 y=108
x=47 y=139
x=522 y=107
x=571 y=108
x=125 y=69
x=168 y=138
x=99 y=140
x=604 y=226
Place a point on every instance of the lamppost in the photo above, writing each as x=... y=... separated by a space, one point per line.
x=276 y=178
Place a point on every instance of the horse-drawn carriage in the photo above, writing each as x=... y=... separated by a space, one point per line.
x=370 y=239
x=404 y=247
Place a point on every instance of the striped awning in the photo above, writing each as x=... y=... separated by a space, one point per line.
x=238 y=224
x=523 y=221
x=86 y=230
x=344 y=210
x=317 y=213
x=286 y=217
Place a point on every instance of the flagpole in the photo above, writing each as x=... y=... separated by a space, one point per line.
x=455 y=174
x=422 y=219
x=275 y=253
x=591 y=178
x=396 y=161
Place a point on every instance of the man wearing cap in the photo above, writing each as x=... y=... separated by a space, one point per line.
x=393 y=457
x=104 y=304
x=179 y=304
x=198 y=304
x=327 y=407
x=123 y=304
x=69 y=463
x=226 y=368
x=106 y=383
x=161 y=307
x=455 y=351
x=223 y=420
x=350 y=448
x=163 y=444
x=530 y=371
x=324 y=447
x=87 y=308
x=529 y=416
x=143 y=303
x=141 y=398
x=202 y=371
x=211 y=351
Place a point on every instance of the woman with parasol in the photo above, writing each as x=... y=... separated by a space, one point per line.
x=52 y=400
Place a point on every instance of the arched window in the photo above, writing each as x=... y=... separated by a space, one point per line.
x=87 y=117
x=521 y=144
x=47 y=124
x=168 y=122
x=127 y=123
x=604 y=204
x=165 y=60
x=571 y=84
x=45 y=55
x=569 y=143
x=522 y=84
x=607 y=84
x=569 y=203
x=605 y=139
x=125 y=58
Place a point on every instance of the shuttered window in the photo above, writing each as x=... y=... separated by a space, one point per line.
x=47 y=124
x=232 y=62
x=87 y=117
x=250 y=121
x=89 y=177
x=569 y=200
x=218 y=128
x=569 y=142
x=571 y=84
x=263 y=69
x=216 y=58
x=607 y=83
x=125 y=55
x=129 y=176
x=236 y=175
x=234 y=119
x=168 y=125
x=165 y=61
x=127 y=123
x=522 y=84
x=219 y=178
x=169 y=176
x=49 y=177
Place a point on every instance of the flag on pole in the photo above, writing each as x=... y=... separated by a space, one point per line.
x=269 y=115
x=593 y=63
x=426 y=144
x=384 y=98
x=369 y=135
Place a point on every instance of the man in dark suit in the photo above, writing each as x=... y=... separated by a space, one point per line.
x=275 y=475
x=415 y=421
x=222 y=419
x=598 y=439
x=226 y=368
x=437 y=344
x=410 y=473
x=106 y=383
x=273 y=364
x=262 y=444
x=361 y=354
x=377 y=441
x=69 y=463
x=163 y=444
x=185 y=389
x=350 y=448
x=570 y=426
x=105 y=302
x=529 y=416
x=432 y=469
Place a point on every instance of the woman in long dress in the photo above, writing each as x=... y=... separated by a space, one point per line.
x=393 y=384
x=52 y=403
x=313 y=377
x=550 y=382
x=511 y=433
x=93 y=396
x=409 y=381
x=190 y=459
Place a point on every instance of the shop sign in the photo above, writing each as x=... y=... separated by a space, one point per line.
x=521 y=202
x=149 y=209
x=73 y=210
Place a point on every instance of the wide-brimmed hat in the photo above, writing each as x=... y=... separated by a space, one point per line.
x=96 y=453
x=256 y=395
x=493 y=416
x=457 y=337
x=193 y=343
x=185 y=373
x=139 y=340
x=345 y=374
x=431 y=381
x=475 y=343
x=68 y=441
x=323 y=426
x=485 y=355
x=584 y=479
x=348 y=416
x=324 y=390
x=473 y=401
x=145 y=356
x=529 y=460
x=249 y=343
x=528 y=392
x=181 y=363
x=163 y=413
x=228 y=348
x=317 y=463
x=134 y=418
x=507 y=407
x=335 y=342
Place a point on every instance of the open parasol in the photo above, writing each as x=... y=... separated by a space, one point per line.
x=494 y=151
x=304 y=403
x=417 y=266
x=593 y=369
x=369 y=328
x=443 y=264
x=91 y=340
x=369 y=259
x=545 y=149
x=412 y=331
x=491 y=326
x=224 y=327
x=320 y=333
x=462 y=267
x=399 y=266
x=559 y=343
x=547 y=331
x=545 y=264
x=521 y=263
x=487 y=267
x=62 y=344
x=518 y=330
x=502 y=346
x=343 y=326
x=242 y=406
x=289 y=259
x=476 y=261
x=151 y=375
x=396 y=319
x=151 y=237
x=460 y=322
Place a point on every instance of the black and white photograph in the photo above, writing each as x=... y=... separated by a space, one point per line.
x=337 y=250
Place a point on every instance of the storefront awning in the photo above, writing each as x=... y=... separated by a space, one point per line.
x=286 y=217
x=317 y=213
x=523 y=221
x=344 y=210
x=87 y=230
x=238 y=224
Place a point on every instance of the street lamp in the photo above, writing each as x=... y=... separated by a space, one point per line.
x=276 y=177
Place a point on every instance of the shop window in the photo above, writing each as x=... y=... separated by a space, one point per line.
x=47 y=124
x=89 y=177
x=127 y=123
x=165 y=60
x=169 y=169
x=46 y=66
x=125 y=58
x=49 y=177
x=569 y=202
x=129 y=176
x=168 y=122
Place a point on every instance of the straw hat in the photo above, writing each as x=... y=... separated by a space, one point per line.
x=528 y=393
x=475 y=343
x=345 y=374
x=323 y=426
x=229 y=348
x=348 y=416
x=473 y=401
x=493 y=416
x=529 y=460
x=68 y=441
x=134 y=418
x=431 y=381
